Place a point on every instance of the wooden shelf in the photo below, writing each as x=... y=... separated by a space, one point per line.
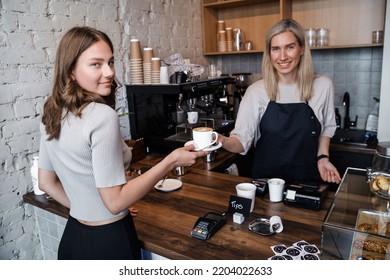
x=254 y=18
x=350 y=22
x=233 y=3
x=348 y=46
x=312 y=48
x=234 y=52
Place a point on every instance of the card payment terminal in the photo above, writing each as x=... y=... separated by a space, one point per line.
x=207 y=225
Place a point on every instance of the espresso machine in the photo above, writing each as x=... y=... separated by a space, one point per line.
x=243 y=81
x=154 y=111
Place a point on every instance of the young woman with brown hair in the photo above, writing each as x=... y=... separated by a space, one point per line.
x=82 y=157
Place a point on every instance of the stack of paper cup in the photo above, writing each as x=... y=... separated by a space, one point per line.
x=221 y=36
x=155 y=70
x=147 y=65
x=222 y=41
x=221 y=25
x=229 y=39
x=136 y=70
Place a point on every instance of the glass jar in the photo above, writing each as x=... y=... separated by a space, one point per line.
x=379 y=174
x=381 y=161
x=322 y=37
x=311 y=37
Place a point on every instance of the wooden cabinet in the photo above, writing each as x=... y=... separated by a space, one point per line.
x=350 y=22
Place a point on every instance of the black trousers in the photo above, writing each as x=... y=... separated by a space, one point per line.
x=115 y=241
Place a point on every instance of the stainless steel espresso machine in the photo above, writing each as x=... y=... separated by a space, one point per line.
x=153 y=111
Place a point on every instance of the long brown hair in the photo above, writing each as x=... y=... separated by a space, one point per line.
x=305 y=74
x=67 y=96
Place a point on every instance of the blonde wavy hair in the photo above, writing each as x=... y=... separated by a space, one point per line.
x=67 y=96
x=305 y=74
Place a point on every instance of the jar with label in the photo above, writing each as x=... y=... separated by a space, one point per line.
x=381 y=161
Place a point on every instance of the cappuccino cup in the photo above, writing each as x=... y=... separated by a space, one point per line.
x=203 y=137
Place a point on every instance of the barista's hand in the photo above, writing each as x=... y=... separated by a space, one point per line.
x=221 y=138
x=231 y=144
x=328 y=171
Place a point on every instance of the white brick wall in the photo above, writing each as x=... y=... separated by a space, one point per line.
x=29 y=33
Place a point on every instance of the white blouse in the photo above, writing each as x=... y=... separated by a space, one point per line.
x=255 y=102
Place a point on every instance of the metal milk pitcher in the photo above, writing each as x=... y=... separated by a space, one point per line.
x=238 y=43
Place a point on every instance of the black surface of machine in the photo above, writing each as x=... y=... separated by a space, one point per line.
x=305 y=195
x=153 y=111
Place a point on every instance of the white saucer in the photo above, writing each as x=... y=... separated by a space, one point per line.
x=209 y=149
x=169 y=185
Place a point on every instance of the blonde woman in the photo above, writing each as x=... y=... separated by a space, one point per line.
x=288 y=115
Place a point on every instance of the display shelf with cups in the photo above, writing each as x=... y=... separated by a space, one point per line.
x=351 y=26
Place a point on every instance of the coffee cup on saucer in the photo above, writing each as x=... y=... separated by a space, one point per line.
x=203 y=137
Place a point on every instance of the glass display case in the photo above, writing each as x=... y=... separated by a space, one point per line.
x=357 y=224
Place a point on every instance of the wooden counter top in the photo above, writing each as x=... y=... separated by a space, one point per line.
x=165 y=220
x=353 y=148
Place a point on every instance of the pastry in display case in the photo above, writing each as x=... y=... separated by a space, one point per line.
x=371 y=247
x=379 y=174
x=357 y=224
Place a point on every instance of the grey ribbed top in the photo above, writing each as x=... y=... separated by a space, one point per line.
x=89 y=154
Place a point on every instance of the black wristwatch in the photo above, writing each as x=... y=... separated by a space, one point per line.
x=322 y=156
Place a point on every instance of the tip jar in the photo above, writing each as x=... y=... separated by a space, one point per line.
x=379 y=174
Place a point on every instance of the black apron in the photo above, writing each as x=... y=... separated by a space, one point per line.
x=288 y=145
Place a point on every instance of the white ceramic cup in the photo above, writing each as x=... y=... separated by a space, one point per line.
x=276 y=224
x=276 y=187
x=192 y=117
x=247 y=190
x=164 y=77
x=203 y=137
